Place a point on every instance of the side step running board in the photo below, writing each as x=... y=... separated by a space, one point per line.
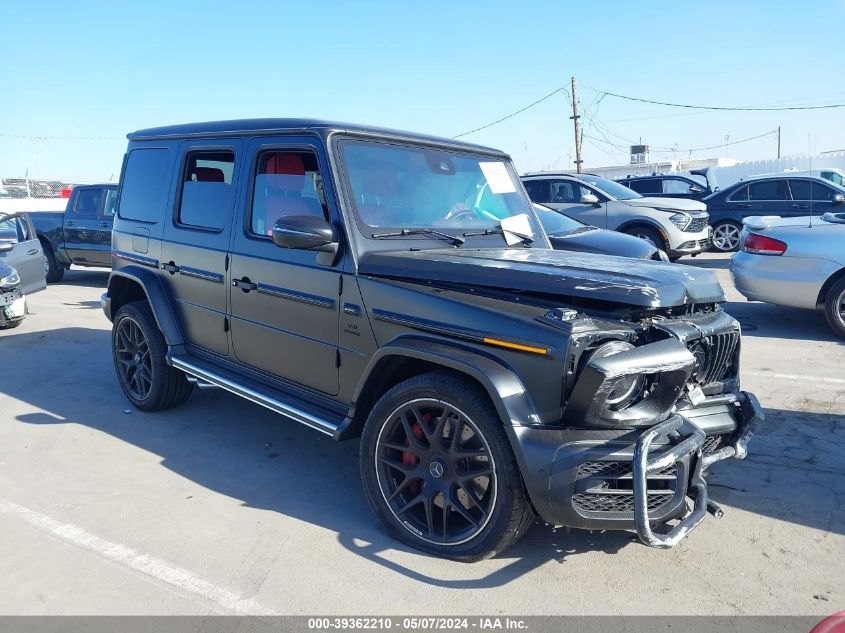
x=205 y=378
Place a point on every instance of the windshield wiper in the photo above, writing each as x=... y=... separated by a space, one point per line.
x=527 y=241
x=454 y=240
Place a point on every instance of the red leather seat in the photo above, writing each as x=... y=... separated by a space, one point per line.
x=284 y=180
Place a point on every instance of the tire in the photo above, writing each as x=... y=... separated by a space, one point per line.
x=139 y=353
x=649 y=235
x=53 y=271
x=10 y=325
x=423 y=478
x=834 y=307
x=725 y=237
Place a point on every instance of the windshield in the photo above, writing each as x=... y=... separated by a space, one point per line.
x=556 y=223
x=400 y=186
x=620 y=192
x=835 y=177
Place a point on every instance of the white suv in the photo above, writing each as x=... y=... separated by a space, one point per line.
x=678 y=226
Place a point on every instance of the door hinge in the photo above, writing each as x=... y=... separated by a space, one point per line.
x=340 y=286
x=226 y=263
x=225 y=324
x=337 y=358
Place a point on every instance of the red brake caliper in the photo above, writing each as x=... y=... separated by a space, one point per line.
x=409 y=458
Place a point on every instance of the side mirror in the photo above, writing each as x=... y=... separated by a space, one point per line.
x=5 y=247
x=305 y=232
x=838 y=198
x=695 y=189
x=589 y=198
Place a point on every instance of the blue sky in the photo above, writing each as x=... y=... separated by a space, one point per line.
x=95 y=70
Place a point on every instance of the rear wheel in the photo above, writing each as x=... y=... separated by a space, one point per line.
x=726 y=236
x=52 y=271
x=439 y=472
x=834 y=307
x=139 y=352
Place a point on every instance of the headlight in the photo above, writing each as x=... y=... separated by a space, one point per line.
x=10 y=280
x=627 y=389
x=681 y=220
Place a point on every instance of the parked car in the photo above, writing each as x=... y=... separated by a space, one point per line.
x=568 y=234
x=781 y=195
x=12 y=299
x=833 y=174
x=81 y=235
x=673 y=185
x=21 y=250
x=677 y=226
x=795 y=262
x=399 y=289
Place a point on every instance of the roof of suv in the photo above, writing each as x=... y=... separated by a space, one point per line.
x=264 y=127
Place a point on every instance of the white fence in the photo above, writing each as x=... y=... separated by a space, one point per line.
x=729 y=175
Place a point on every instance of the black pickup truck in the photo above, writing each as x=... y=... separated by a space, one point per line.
x=82 y=234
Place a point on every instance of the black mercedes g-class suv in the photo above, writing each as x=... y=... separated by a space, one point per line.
x=399 y=289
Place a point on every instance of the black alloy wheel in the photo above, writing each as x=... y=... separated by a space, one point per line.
x=132 y=355
x=436 y=472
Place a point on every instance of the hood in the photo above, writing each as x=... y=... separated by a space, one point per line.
x=680 y=204
x=593 y=240
x=633 y=282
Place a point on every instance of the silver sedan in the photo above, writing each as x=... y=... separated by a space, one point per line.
x=795 y=262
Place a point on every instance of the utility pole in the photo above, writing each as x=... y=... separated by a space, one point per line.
x=575 y=117
x=778 y=141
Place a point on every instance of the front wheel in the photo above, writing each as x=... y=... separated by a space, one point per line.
x=52 y=271
x=140 y=353
x=649 y=235
x=438 y=470
x=726 y=236
x=834 y=307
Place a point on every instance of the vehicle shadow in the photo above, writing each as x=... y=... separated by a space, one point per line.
x=771 y=321
x=707 y=262
x=89 y=277
x=240 y=450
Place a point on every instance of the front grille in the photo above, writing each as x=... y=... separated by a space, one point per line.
x=715 y=356
x=703 y=244
x=608 y=487
x=697 y=224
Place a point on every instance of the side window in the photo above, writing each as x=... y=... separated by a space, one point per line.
x=24 y=231
x=739 y=195
x=87 y=202
x=565 y=191
x=15 y=230
x=676 y=185
x=766 y=190
x=205 y=201
x=111 y=200
x=286 y=183
x=145 y=184
x=645 y=186
x=538 y=190
x=809 y=190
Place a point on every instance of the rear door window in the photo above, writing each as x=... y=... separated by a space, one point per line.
x=538 y=190
x=767 y=190
x=145 y=183
x=676 y=186
x=87 y=203
x=645 y=186
x=205 y=200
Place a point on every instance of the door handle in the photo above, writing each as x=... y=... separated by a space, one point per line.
x=799 y=206
x=32 y=251
x=69 y=223
x=743 y=206
x=170 y=267
x=105 y=225
x=244 y=284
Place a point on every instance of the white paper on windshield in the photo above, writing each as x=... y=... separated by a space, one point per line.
x=516 y=228
x=498 y=177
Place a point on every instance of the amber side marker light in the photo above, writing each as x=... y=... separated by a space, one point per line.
x=762 y=245
x=522 y=348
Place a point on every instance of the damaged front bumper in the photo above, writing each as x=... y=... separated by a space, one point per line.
x=690 y=442
x=604 y=479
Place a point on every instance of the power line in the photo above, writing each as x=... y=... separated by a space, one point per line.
x=513 y=114
x=734 y=108
x=745 y=140
x=35 y=137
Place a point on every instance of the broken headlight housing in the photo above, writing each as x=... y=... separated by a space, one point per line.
x=627 y=389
